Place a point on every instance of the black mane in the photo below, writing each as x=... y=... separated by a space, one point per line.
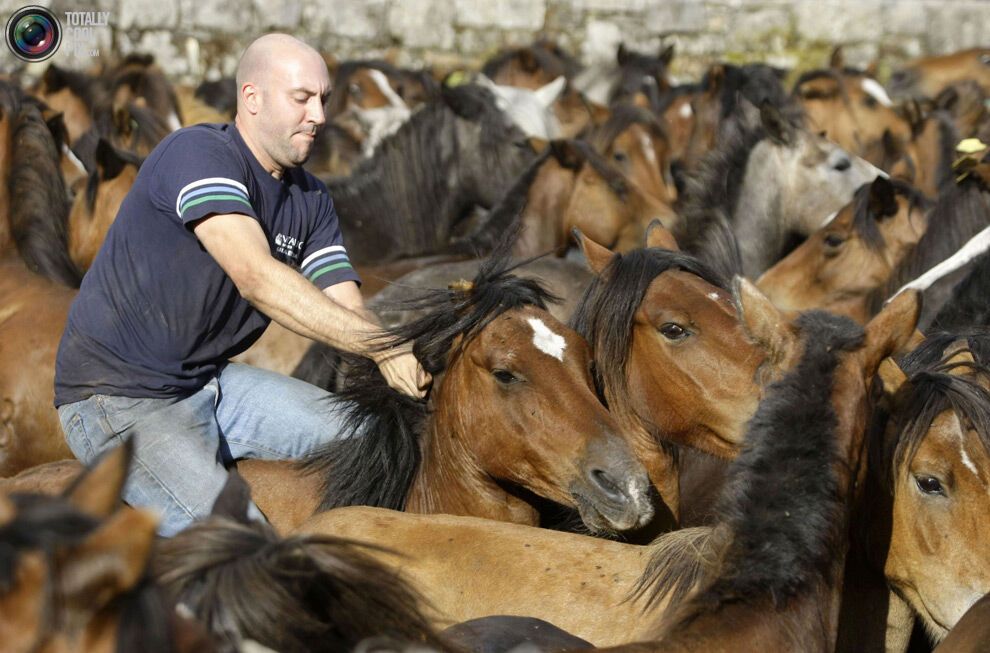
x=377 y=457
x=864 y=218
x=39 y=206
x=781 y=502
x=605 y=314
x=621 y=117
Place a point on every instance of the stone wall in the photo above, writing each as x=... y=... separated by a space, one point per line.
x=195 y=39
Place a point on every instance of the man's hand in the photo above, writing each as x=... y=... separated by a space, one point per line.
x=402 y=371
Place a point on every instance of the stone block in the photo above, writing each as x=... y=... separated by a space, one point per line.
x=501 y=14
x=676 y=16
x=147 y=14
x=216 y=16
x=956 y=26
x=423 y=23
x=838 y=21
x=904 y=17
x=355 y=19
x=279 y=15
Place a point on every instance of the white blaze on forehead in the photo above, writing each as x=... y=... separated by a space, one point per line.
x=963 y=455
x=546 y=340
x=381 y=81
x=829 y=219
x=713 y=296
x=647 y=144
x=71 y=156
x=872 y=88
x=685 y=110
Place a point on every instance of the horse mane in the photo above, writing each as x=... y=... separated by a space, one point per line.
x=221 y=94
x=84 y=86
x=968 y=307
x=961 y=211
x=149 y=128
x=783 y=522
x=864 y=219
x=378 y=455
x=39 y=206
x=678 y=561
x=756 y=82
x=46 y=523
x=604 y=316
x=711 y=194
x=621 y=117
x=933 y=389
x=406 y=170
x=139 y=72
x=948 y=137
x=302 y=593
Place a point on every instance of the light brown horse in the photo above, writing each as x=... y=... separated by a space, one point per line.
x=851 y=108
x=842 y=264
x=532 y=426
x=928 y=76
x=471 y=568
x=95 y=207
x=931 y=466
x=35 y=282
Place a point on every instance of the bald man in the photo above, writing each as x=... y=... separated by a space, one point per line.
x=222 y=232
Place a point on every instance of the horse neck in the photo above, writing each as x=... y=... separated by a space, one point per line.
x=6 y=238
x=756 y=216
x=451 y=481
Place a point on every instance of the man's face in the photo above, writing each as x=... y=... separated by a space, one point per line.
x=293 y=97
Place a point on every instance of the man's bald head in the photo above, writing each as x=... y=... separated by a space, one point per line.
x=269 y=52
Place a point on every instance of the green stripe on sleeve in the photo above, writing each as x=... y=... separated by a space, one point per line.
x=329 y=268
x=209 y=198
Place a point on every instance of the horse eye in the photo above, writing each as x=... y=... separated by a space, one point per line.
x=619 y=157
x=929 y=485
x=354 y=90
x=672 y=331
x=505 y=377
x=870 y=101
x=834 y=240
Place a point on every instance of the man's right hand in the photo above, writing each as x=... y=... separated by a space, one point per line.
x=402 y=371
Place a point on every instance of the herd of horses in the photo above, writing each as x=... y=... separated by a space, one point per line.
x=711 y=368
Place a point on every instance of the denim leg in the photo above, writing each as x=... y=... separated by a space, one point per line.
x=263 y=414
x=176 y=468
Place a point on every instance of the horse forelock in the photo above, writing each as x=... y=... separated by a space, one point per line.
x=781 y=501
x=865 y=222
x=604 y=316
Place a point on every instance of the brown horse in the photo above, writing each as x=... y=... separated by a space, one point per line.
x=533 y=425
x=531 y=66
x=970 y=634
x=842 y=264
x=73 y=572
x=929 y=468
x=569 y=186
x=95 y=209
x=851 y=108
x=35 y=285
x=607 y=592
x=928 y=76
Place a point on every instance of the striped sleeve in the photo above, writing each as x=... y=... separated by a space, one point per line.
x=212 y=195
x=325 y=260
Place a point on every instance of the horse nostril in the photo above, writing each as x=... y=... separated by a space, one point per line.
x=607 y=485
x=842 y=164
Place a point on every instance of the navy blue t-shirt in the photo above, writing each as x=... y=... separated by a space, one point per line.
x=156 y=315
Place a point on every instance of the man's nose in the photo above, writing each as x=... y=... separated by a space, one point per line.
x=315 y=111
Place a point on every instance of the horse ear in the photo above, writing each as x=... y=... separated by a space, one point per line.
x=914 y=116
x=659 y=236
x=622 y=54
x=538 y=144
x=837 y=60
x=776 y=125
x=892 y=376
x=761 y=320
x=598 y=256
x=883 y=198
x=714 y=78
x=56 y=125
x=234 y=499
x=97 y=490
x=108 y=160
x=54 y=79
x=549 y=93
x=890 y=330
x=666 y=54
x=528 y=61
x=122 y=120
x=566 y=154
x=110 y=561
x=872 y=69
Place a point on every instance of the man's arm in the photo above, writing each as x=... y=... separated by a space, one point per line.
x=239 y=246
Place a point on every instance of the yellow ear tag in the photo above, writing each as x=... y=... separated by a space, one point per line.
x=971 y=146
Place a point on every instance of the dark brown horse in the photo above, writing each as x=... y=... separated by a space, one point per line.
x=512 y=414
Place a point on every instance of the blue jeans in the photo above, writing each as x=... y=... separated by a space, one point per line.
x=183 y=445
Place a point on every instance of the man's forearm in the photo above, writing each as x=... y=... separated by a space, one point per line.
x=291 y=300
